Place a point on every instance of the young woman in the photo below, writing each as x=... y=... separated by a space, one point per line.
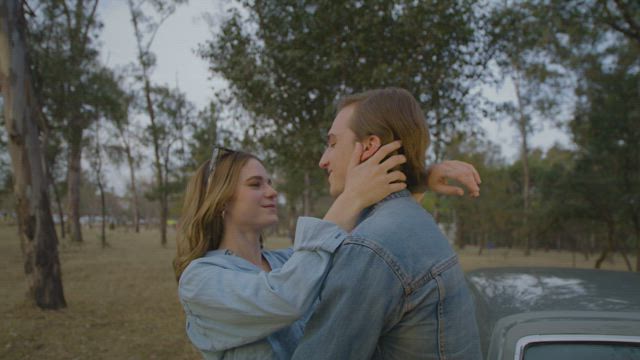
x=242 y=301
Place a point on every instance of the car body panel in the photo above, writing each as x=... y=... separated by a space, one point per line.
x=512 y=303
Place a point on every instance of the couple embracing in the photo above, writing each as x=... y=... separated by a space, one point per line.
x=375 y=278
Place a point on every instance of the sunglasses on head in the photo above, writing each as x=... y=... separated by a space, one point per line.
x=218 y=153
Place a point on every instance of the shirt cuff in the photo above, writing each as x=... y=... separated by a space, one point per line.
x=315 y=234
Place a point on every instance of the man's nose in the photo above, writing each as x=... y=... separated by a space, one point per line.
x=324 y=162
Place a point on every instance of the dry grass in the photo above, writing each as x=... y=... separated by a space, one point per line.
x=122 y=300
x=122 y=303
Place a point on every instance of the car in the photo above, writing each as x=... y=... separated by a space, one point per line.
x=557 y=313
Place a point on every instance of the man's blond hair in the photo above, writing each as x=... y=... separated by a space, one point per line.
x=393 y=114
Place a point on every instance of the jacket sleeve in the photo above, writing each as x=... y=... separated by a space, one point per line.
x=226 y=307
x=361 y=292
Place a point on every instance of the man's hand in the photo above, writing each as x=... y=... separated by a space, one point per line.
x=460 y=171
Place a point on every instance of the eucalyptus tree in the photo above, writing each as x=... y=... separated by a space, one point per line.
x=64 y=42
x=96 y=159
x=520 y=47
x=21 y=114
x=173 y=114
x=113 y=107
x=147 y=16
x=597 y=40
x=287 y=62
x=126 y=142
x=606 y=128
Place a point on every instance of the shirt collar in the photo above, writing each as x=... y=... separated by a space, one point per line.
x=369 y=210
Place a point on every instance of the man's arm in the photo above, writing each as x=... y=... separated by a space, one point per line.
x=360 y=294
x=439 y=174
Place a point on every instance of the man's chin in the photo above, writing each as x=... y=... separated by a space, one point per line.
x=335 y=192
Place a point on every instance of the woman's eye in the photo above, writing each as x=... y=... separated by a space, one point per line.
x=254 y=184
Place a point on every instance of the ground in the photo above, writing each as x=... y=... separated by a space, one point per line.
x=122 y=301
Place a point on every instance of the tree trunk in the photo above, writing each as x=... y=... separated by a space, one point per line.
x=160 y=184
x=637 y=252
x=103 y=207
x=522 y=127
x=636 y=227
x=134 y=190
x=35 y=223
x=610 y=244
x=73 y=189
x=164 y=215
x=56 y=195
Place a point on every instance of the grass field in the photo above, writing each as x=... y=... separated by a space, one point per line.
x=122 y=301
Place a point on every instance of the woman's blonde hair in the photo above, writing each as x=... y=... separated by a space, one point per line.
x=201 y=226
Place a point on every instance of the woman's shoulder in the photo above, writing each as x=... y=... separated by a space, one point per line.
x=219 y=258
x=280 y=256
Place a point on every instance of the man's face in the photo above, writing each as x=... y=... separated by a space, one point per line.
x=340 y=144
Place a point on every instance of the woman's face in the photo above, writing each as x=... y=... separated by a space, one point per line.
x=254 y=202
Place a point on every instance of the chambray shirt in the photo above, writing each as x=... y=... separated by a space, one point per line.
x=395 y=290
x=234 y=310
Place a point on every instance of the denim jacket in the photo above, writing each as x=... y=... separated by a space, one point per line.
x=395 y=290
x=234 y=310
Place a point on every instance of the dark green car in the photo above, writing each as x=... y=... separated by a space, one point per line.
x=554 y=313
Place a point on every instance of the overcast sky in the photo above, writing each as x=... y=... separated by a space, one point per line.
x=177 y=64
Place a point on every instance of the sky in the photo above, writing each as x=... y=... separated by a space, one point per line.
x=179 y=65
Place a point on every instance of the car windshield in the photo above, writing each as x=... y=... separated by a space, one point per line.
x=582 y=350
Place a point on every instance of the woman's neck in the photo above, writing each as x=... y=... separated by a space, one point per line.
x=244 y=243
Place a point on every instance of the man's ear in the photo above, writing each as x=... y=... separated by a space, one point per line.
x=370 y=145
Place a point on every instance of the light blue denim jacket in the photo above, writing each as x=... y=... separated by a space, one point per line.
x=395 y=290
x=236 y=311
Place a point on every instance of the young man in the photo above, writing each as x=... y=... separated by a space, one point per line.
x=395 y=288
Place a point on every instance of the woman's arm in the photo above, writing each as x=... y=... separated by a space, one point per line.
x=227 y=307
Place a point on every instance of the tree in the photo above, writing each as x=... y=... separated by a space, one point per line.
x=173 y=113
x=286 y=64
x=112 y=107
x=95 y=157
x=145 y=28
x=37 y=231
x=587 y=36
x=64 y=45
x=606 y=128
x=519 y=42
x=126 y=147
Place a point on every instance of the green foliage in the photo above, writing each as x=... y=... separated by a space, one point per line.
x=173 y=115
x=287 y=62
x=606 y=128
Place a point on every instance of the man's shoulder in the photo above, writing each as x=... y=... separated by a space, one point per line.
x=397 y=218
x=401 y=230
